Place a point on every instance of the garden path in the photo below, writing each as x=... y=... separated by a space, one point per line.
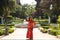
x=20 y=33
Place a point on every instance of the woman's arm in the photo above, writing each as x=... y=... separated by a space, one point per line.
x=34 y=24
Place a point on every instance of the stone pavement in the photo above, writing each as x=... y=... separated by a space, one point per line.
x=20 y=34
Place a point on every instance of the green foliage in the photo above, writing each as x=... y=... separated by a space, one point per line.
x=58 y=19
x=17 y=21
x=44 y=30
x=44 y=23
x=7 y=24
x=45 y=27
x=10 y=24
x=10 y=17
x=10 y=4
x=27 y=9
x=1 y=11
x=58 y=32
x=22 y=11
x=10 y=30
x=1 y=32
x=53 y=32
x=2 y=26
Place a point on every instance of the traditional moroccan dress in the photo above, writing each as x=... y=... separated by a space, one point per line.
x=30 y=29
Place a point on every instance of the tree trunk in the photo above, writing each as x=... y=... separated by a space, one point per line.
x=49 y=19
x=5 y=21
x=2 y=20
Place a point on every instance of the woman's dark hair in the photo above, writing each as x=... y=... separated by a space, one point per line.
x=30 y=18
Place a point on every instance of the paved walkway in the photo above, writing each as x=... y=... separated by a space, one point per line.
x=20 y=33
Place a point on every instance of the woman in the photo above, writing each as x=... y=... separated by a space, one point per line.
x=31 y=24
x=25 y=22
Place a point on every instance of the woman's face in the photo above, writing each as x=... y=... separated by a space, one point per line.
x=27 y=18
x=30 y=18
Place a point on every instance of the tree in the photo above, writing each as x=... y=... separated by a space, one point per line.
x=42 y=6
x=6 y=6
x=28 y=9
x=18 y=11
x=55 y=10
x=22 y=11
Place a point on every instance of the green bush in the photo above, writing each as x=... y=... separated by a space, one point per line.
x=58 y=20
x=10 y=30
x=2 y=25
x=58 y=32
x=1 y=32
x=45 y=27
x=44 y=30
x=10 y=25
x=10 y=17
x=44 y=23
x=53 y=32
x=7 y=24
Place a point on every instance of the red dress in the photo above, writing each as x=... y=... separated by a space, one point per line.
x=30 y=29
